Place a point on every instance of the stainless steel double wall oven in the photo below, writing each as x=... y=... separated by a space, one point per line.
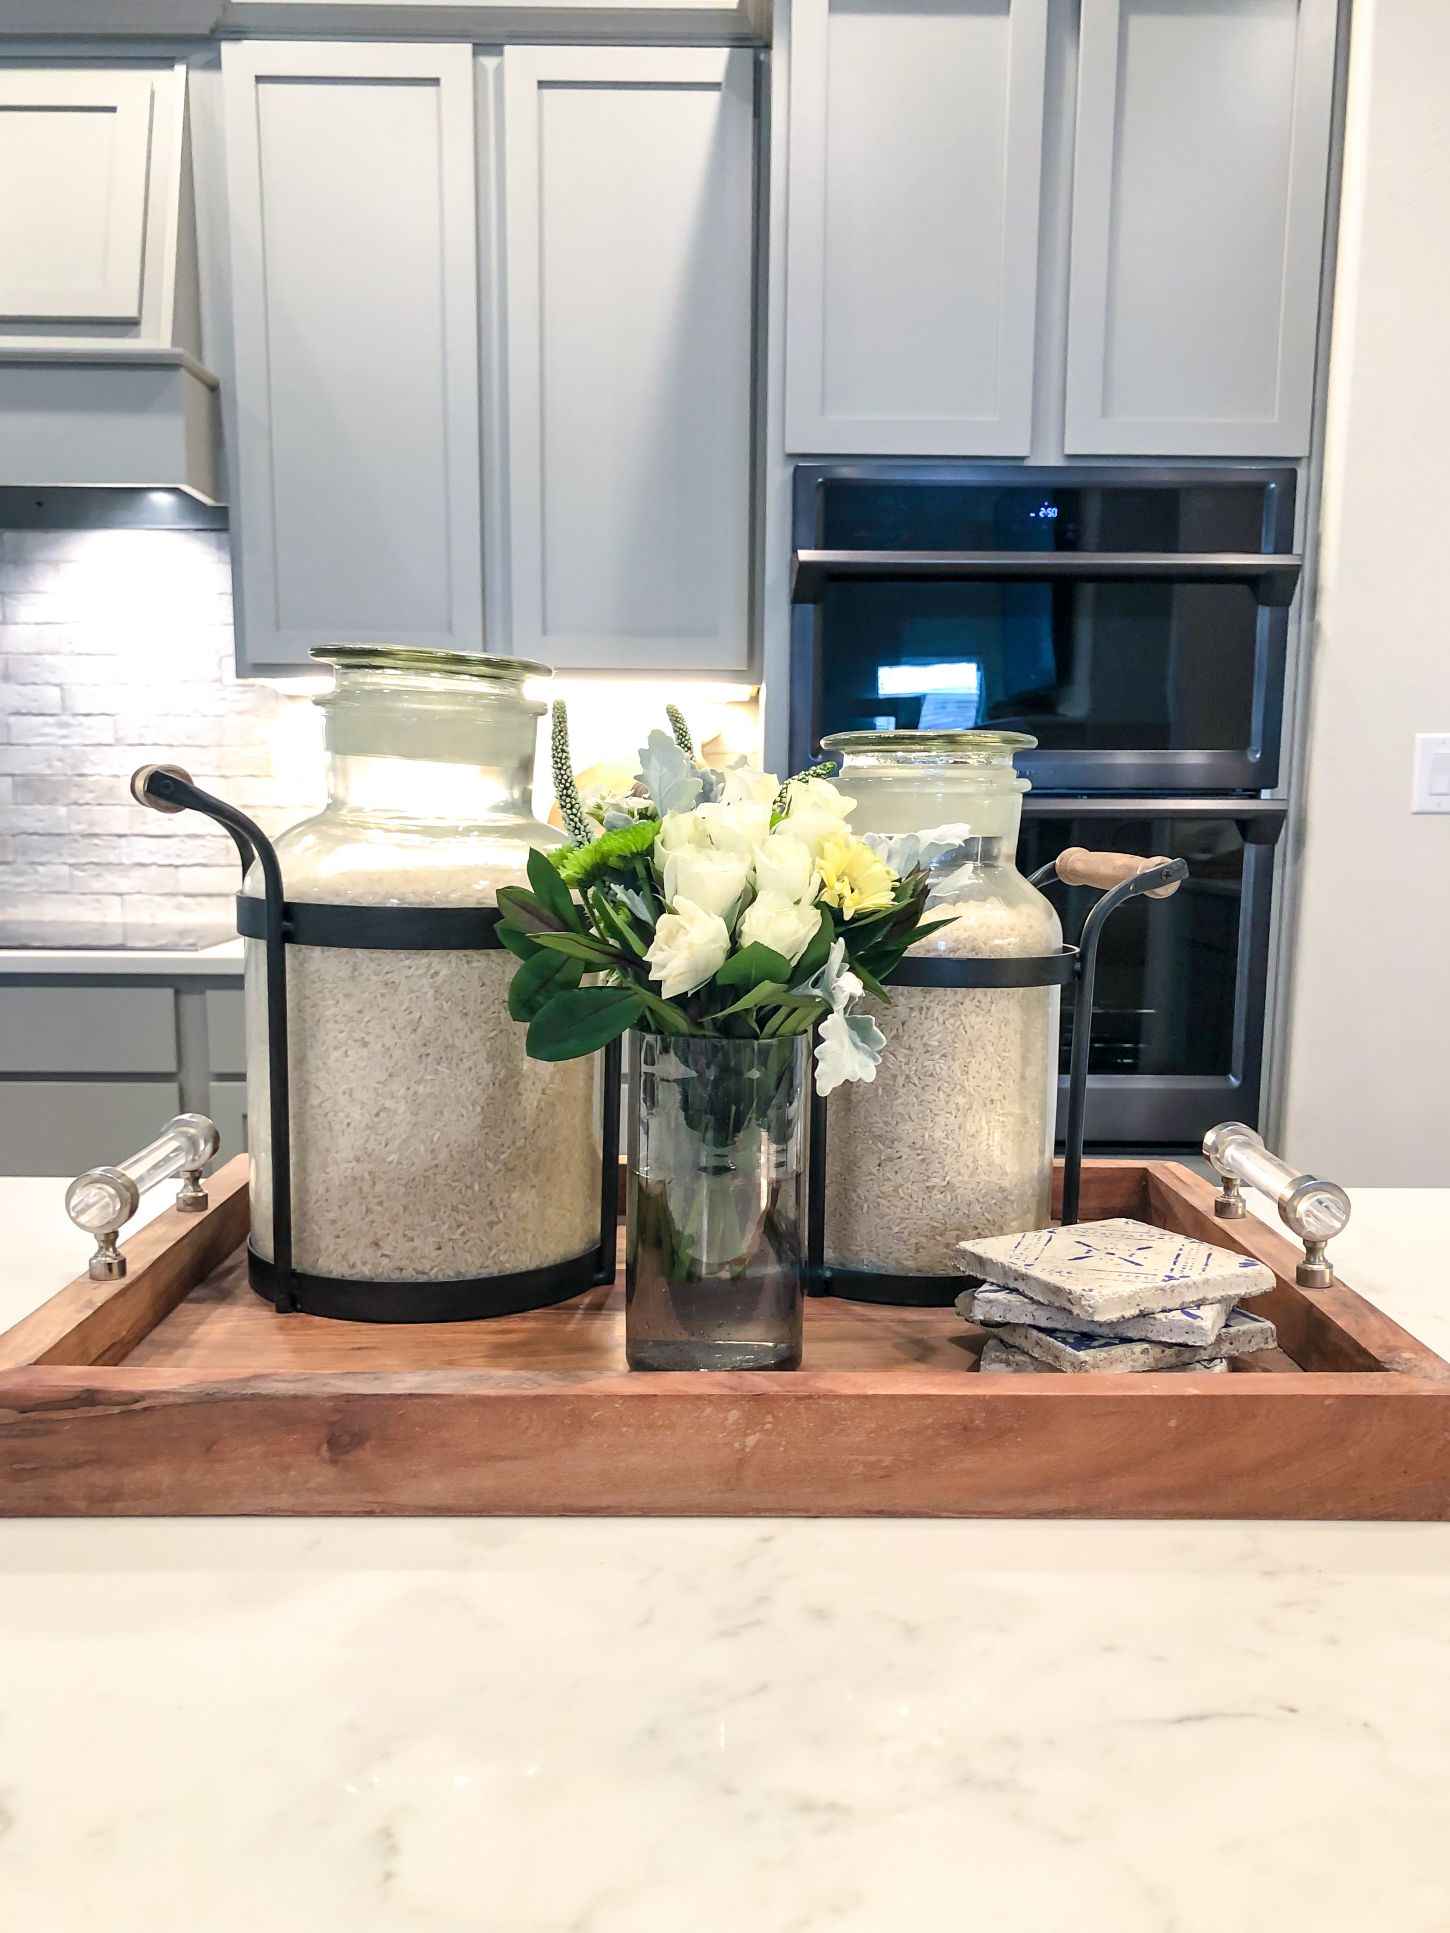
x=1135 y=622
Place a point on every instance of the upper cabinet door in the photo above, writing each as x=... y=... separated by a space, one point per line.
x=915 y=169
x=350 y=173
x=628 y=220
x=1198 y=225
x=87 y=250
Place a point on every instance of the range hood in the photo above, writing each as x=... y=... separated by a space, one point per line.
x=101 y=380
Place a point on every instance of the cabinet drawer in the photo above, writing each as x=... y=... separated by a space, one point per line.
x=61 y=1127
x=226 y=1031
x=87 y=1030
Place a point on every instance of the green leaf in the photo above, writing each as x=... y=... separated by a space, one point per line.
x=538 y=980
x=666 y=1015
x=758 y=996
x=614 y=921
x=526 y=913
x=751 y=965
x=582 y=1020
x=580 y=946
x=519 y=944
x=553 y=894
x=814 y=957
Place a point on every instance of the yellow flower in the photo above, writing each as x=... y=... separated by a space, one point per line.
x=853 y=878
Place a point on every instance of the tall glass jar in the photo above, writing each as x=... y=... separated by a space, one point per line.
x=426 y=1145
x=954 y=1136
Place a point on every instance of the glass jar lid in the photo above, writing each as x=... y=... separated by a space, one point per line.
x=423 y=658
x=971 y=747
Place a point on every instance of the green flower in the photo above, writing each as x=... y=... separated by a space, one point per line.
x=580 y=865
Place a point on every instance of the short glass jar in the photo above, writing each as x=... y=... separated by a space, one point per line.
x=425 y=1145
x=954 y=1137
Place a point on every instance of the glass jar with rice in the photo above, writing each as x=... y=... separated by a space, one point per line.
x=426 y=1147
x=954 y=1137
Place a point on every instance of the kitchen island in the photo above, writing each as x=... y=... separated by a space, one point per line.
x=678 y=1727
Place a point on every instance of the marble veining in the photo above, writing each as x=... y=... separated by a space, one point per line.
x=686 y=1727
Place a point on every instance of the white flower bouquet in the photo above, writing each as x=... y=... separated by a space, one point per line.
x=706 y=903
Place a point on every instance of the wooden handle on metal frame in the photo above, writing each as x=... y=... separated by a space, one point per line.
x=1079 y=867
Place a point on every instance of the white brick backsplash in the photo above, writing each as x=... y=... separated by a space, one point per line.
x=123 y=879
x=43 y=845
x=116 y=651
x=62 y=731
x=27 y=818
x=30 y=576
x=17 y=879
x=223 y=880
x=39 y=789
x=146 y=909
x=17 y=701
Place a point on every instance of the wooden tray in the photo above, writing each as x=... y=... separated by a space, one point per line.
x=177 y=1391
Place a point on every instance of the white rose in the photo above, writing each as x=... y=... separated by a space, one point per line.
x=782 y=924
x=735 y=828
x=688 y=947
x=745 y=785
x=785 y=865
x=680 y=831
x=713 y=881
x=815 y=811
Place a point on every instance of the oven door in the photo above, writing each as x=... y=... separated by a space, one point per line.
x=1178 y=1027
x=1135 y=624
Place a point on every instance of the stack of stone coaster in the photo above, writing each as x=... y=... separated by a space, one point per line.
x=1112 y=1295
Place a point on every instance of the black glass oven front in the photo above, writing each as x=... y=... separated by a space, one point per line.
x=1160 y=685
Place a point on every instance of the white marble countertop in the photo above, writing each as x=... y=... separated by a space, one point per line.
x=107 y=961
x=708 y=1727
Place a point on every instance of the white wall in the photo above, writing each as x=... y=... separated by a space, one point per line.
x=1367 y=1097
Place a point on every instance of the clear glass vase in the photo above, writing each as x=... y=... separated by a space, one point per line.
x=715 y=1254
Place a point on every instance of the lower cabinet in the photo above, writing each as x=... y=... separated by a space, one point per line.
x=228 y=1108
x=62 y=1127
x=92 y=1069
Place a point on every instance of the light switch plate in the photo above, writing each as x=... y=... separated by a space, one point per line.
x=1432 y=772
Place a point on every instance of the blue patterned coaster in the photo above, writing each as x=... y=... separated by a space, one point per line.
x=1194 y=1326
x=1111 y=1269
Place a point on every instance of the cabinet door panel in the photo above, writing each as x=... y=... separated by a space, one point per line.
x=65 y=1127
x=88 y=1030
x=1198 y=218
x=71 y=239
x=915 y=171
x=353 y=261
x=628 y=252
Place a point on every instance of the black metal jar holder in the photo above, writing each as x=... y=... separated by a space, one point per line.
x=280 y=924
x=1069 y=966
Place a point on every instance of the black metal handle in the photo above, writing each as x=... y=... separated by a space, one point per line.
x=168 y=788
x=1152 y=877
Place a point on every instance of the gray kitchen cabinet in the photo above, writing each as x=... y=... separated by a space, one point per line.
x=93 y=1030
x=353 y=268
x=627 y=243
x=227 y=1106
x=1197 y=226
x=914 y=184
x=62 y=1127
x=88 y=253
x=226 y=1031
